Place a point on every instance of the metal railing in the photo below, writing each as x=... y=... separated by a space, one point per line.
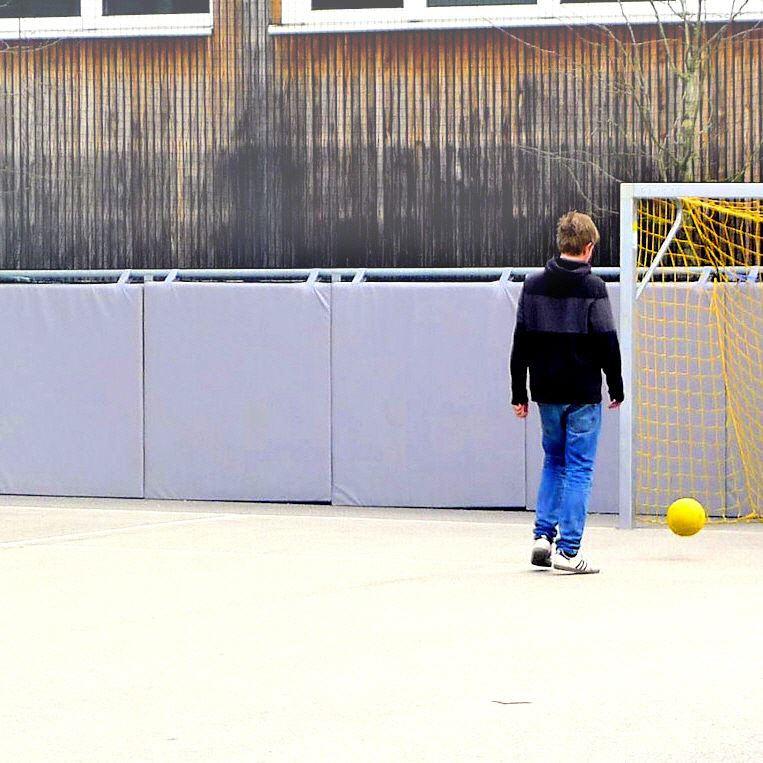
x=334 y=275
x=324 y=275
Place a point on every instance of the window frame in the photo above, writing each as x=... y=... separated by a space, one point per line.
x=297 y=15
x=92 y=22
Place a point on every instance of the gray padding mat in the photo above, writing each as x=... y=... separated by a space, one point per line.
x=421 y=399
x=237 y=392
x=604 y=494
x=71 y=390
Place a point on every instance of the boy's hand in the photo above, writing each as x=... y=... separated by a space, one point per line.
x=614 y=404
x=521 y=410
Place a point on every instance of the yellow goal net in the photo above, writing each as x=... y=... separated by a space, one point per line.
x=697 y=362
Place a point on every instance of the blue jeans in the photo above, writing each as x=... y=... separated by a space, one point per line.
x=570 y=437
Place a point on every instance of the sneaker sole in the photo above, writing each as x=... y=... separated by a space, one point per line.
x=573 y=571
x=540 y=558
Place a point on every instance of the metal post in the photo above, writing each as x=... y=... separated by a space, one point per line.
x=655 y=264
x=628 y=251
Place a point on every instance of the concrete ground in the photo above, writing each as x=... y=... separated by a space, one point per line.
x=148 y=631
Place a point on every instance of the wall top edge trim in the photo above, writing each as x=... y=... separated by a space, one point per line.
x=311 y=276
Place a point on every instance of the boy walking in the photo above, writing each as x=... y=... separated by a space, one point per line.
x=565 y=335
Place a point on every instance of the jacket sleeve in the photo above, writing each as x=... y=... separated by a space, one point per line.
x=519 y=359
x=602 y=327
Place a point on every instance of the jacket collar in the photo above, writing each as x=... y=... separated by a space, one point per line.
x=558 y=265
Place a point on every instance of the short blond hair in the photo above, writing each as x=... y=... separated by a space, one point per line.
x=574 y=232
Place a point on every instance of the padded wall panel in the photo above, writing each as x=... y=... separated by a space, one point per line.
x=237 y=391
x=679 y=418
x=71 y=390
x=604 y=493
x=421 y=400
x=743 y=315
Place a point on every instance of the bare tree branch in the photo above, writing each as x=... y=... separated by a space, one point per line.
x=670 y=137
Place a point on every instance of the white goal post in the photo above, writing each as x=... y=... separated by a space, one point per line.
x=630 y=290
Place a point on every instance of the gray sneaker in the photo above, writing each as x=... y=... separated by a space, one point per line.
x=575 y=564
x=541 y=556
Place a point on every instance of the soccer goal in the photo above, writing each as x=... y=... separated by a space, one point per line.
x=691 y=312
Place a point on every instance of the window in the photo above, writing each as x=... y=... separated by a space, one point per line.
x=366 y=15
x=103 y=18
x=457 y=3
x=135 y=7
x=327 y=5
x=38 y=8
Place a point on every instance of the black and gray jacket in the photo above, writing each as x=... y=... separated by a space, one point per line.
x=565 y=336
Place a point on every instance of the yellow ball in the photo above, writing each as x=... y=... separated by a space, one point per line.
x=686 y=516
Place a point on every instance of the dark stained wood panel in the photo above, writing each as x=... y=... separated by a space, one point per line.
x=386 y=149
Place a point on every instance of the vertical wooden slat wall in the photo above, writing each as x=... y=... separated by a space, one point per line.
x=412 y=149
